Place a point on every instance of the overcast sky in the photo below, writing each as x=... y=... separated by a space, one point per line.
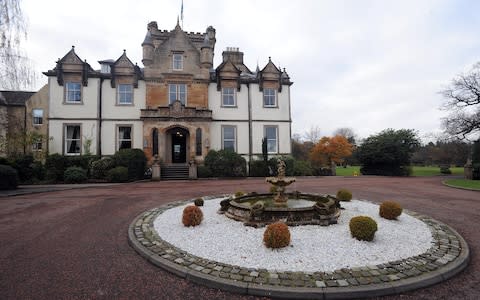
x=368 y=65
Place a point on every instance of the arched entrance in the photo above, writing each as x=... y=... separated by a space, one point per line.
x=177 y=149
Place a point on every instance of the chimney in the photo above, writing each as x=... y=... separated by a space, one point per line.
x=233 y=53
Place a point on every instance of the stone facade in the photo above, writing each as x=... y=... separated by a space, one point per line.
x=177 y=109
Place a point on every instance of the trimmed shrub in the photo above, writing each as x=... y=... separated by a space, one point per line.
x=192 y=216
x=198 y=202
x=386 y=170
x=445 y=169
x=8 y=178
x=302 y=168
x=258 y=168
x=390 y=210
x=118 y=174
x=363 y=228
x=55 y=165
x=226 y=163
x=322 y=172
x=23 y=164
x=344 y=195
x=82 y=161
x=100 y=167
x=277 y=235
x=134 y=159
x=203 y=172
x=75 y=175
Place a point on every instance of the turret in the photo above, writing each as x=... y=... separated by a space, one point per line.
x=206 y=55
x=148 y=48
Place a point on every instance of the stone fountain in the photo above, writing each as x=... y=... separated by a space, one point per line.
x=294 y=208
x=280 y=183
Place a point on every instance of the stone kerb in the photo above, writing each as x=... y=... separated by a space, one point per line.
x=448 y=256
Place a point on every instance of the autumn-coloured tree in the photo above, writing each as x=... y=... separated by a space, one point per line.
x=330 y=149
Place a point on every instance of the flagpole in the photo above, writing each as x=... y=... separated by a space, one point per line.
x=181 y=14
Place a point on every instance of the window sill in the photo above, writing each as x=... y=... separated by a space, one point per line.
x=73 y=102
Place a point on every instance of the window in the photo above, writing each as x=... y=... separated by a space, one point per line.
x=37 y=145
x=37 y=116
x=72 y=140
x=177 y=92
x=271 y=133
x=155 y=141
x=124 y=137
x=198 y=142
x=228 y=97
x=229 y=137
x=177 y=62
x=125 y=94
x=269 y=98
x=73 y=92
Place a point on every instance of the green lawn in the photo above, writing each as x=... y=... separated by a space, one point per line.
x=464 y=183
x=417 y=171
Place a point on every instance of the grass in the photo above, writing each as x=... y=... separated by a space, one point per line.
x=417 y=171
x=464 y=183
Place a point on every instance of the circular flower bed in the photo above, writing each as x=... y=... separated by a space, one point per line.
x=312 y=248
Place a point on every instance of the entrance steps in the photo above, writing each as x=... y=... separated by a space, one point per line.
x=174 y=171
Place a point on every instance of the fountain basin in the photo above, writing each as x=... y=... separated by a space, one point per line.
x=259 y=210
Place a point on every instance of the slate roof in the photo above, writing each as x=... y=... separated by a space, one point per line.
x=15 y=98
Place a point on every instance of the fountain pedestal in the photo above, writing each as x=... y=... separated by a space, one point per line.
x=262 y=209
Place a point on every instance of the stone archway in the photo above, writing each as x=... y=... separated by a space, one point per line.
x=177 y=145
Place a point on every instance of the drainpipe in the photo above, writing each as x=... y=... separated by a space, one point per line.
x=99 y=143
x=250 y=139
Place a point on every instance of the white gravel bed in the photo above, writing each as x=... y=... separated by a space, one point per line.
x=312 y=248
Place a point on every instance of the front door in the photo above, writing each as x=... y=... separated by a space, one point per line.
x=179 y=145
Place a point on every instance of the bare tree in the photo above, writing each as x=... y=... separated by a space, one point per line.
x=16 y=71
x=313 y=134
x=463 y=100
x=347 y=133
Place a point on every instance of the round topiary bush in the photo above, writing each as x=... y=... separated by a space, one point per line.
x=8 y=178
x=363 y=228
x=344 y=195
x=117 y=174
x=75 y=175
x=390 y=210
x=276 y=235
x=198 y=202
x=99 y=168
x=192 y=216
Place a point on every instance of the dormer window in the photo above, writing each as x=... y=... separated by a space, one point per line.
x=125 y=94
x=228 y=97
x=73 y=92
x=269 y=98
x=177 y=62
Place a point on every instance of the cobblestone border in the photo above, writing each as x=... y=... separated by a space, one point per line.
x=448 y=256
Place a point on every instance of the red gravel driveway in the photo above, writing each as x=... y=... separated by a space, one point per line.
x=73 y=244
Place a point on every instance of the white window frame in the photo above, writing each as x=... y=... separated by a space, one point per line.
x=267 y=97
x=37 y=146
x=71 y=89
x=229 y=140
x=125 y=91
x=177 y=62
x=177 y=92
x=121 y=139
x=270 y=140
x=37 y=120
x=231 y=94
x=66 y=139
